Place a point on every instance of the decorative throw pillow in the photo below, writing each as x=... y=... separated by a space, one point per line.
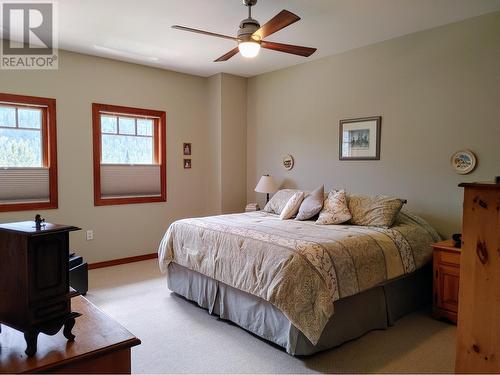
x=335 y=210
x=312 y=204
x=377 y=211
x=292 y=206
x=279 y=200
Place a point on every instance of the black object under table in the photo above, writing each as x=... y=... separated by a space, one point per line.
x=78 y=274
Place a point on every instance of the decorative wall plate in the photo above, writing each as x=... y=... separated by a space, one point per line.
x=288 y=162
x=463 y=161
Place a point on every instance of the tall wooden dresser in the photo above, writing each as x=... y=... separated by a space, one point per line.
x=478 y=335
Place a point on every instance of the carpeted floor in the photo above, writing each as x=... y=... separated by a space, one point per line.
x=179 y=337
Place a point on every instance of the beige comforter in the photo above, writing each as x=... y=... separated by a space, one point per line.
x=298 y=266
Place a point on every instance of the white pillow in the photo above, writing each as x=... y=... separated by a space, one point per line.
x=312 y=204
x=335 y=209
x=292 y=206
x=279 y=200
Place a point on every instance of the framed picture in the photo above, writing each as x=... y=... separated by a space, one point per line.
x=187 y=163
x=359 y=138
x=186 y=148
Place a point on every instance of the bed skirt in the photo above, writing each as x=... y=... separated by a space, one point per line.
x=376 y=308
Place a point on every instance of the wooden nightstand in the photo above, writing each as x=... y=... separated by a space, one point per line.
x=446 y=260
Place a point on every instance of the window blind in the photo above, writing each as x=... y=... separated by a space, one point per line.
x=130 y=180
x=24 y=185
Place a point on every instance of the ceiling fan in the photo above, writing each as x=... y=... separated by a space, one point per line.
x=251 y=34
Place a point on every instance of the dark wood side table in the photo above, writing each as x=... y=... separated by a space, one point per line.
x=101 y=345
x=35 y=296
x=446 y=260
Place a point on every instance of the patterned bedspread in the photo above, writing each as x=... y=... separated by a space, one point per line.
x=298 y=266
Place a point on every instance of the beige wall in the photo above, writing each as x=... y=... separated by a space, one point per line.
x=437 y=91
x=214 y=138
x=125 y=230
x=227 y=119
x=233 y=143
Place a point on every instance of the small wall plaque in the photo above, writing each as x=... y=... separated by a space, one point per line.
x=288 y=162
x=463 y=161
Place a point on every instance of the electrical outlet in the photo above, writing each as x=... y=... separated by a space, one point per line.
x=90 y=235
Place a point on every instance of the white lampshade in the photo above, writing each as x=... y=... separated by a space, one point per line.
x=249 y=49
x=266 y=185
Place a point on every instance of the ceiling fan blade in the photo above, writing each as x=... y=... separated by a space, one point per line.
x=228 y=55
x=190 y=29
x=278 y=22
x=288 y=48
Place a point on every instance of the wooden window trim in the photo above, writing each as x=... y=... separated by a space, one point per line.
x=159 y=149
x=49 y=148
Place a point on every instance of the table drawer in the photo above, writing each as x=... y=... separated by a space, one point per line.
x=450 y=258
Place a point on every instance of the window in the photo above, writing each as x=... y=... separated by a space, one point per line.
x=129 y=155
x=127 y=140
x=28 y=156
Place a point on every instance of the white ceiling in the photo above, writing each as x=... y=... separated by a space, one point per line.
x=139 y=31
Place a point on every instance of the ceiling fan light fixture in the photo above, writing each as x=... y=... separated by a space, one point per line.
x=250 y=35
x=249 y=48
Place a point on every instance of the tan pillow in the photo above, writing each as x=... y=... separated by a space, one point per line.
x=312 y=204
x=377 y=211
x=279 y=200
x=335 y=210
x=292 y=206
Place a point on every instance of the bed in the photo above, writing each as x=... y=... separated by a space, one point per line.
x=302 y=286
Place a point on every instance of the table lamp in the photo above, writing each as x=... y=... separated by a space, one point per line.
x=266 y=185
